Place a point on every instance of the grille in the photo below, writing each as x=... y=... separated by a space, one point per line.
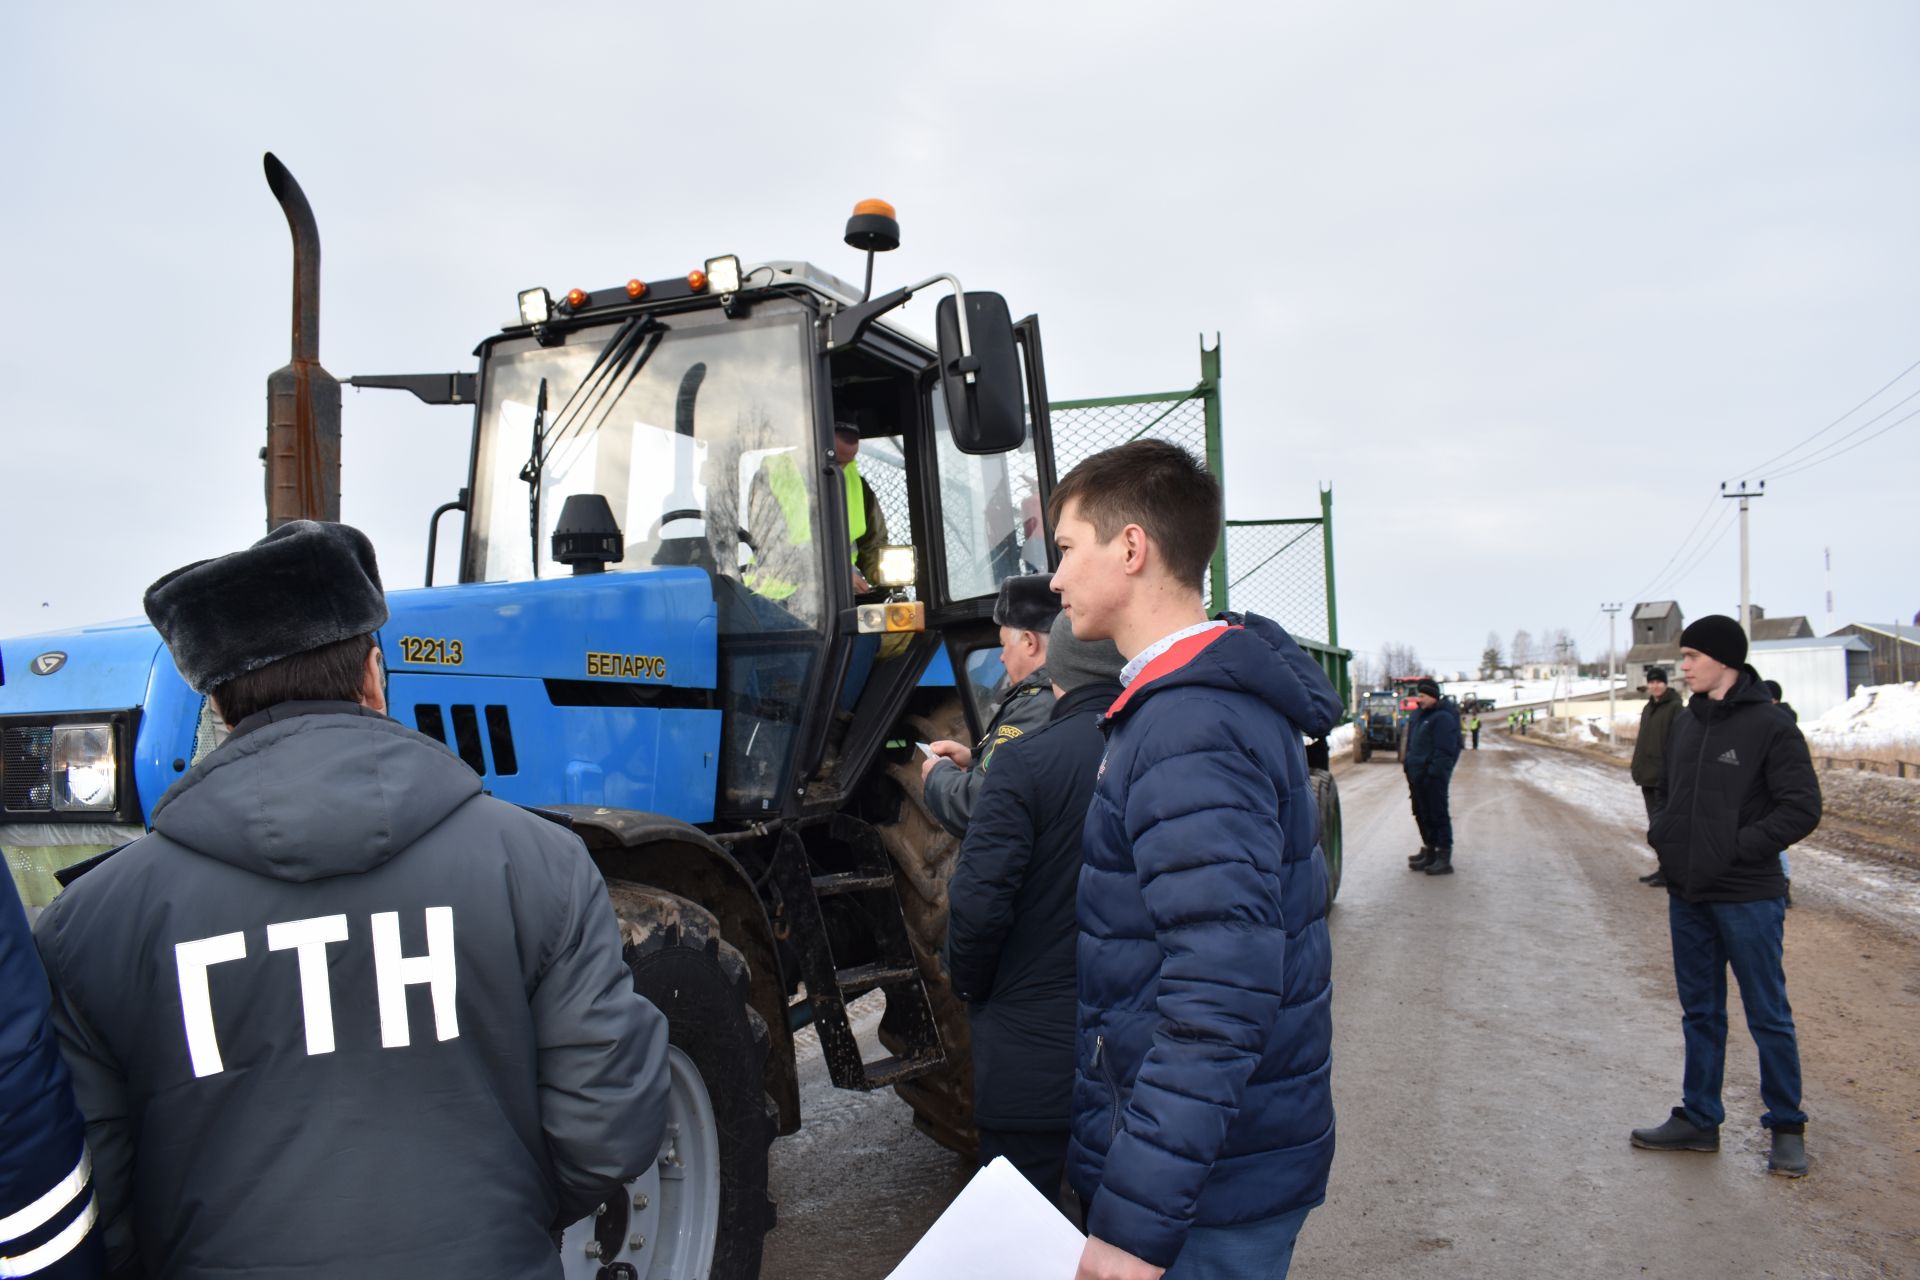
x=26 y=769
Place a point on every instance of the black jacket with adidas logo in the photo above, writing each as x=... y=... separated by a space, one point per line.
x=1740 y=789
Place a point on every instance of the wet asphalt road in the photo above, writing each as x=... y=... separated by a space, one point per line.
x=1497 y=1033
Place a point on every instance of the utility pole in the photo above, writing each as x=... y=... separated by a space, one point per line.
x=1746 y=592
x=1611 y=610
x=1561 y=649
x=1828 y=551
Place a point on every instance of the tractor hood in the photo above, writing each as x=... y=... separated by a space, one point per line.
x=99 y=668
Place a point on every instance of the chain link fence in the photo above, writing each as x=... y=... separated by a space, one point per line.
x=1279 y=568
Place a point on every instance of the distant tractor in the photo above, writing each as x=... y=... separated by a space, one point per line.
x=1376 y=727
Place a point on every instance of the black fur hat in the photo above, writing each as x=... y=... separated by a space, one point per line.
x=304 y=585
x=1027 y=603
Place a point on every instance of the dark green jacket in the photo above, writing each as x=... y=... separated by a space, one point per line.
x=1650 y=748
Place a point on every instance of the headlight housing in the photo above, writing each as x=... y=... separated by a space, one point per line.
x=896 y=568
x=85 y=769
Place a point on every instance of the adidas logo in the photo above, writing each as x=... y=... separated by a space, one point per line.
x=1728 y=757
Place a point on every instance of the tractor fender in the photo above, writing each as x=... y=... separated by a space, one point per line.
x=651 y=849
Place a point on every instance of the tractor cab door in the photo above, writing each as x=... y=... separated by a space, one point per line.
x=936 y=526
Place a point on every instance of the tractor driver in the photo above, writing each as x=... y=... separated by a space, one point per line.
x=779 y=525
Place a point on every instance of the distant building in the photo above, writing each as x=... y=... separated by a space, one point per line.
x=1895 y=648
x=1761 y=627
x=1657 y=625
x=1816 y=673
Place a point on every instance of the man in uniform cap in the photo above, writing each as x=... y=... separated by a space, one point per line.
x=953 y=774
x=341 y=1013
x=1740 y=788
x=1433 y=748
x=1010 y=924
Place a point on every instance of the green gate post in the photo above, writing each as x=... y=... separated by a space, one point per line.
x=1344 y=679
x=1216 y=459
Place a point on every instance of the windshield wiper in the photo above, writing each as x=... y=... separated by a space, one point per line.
x=531 y=474
x=608 y=378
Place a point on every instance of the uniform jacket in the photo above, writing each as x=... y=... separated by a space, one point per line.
x=1657 y=718
x=1010 y=915
x=1203 y=1094
x=1433 y=742
x=341 y=1014
x=1740 y=788
x=46 y=1206
x=951 y=790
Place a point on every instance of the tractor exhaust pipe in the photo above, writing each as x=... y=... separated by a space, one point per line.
x=302 y=455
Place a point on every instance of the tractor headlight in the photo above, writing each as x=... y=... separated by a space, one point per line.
x=896 y=567
x=85 y=768
x=536 y=306
x=723 y=274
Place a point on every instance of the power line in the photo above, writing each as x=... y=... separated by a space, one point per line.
x=1641 y=594
x=1733 y=518
x=1808 y=464
x=1754 y=470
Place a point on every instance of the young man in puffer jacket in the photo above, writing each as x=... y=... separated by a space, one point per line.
x=1203 y=1109
x=1740 y=788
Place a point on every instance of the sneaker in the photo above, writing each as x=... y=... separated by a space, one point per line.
x=1789 y=1155
x=1677 y=1134
x=1658 y=879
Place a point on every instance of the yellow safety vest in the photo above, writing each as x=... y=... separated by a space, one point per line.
x=789 y=489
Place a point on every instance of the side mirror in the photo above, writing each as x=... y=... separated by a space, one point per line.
x=987 y=414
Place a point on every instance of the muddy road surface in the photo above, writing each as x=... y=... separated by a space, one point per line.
x=1497 y=1033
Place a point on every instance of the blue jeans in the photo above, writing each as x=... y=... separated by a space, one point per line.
x=1708 y=938
x=1260 y=1250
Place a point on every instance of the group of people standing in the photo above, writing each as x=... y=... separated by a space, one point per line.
x=1138 y=923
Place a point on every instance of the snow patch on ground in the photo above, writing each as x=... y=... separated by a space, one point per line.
x=1876 y=718
x=1503 y=691
x=1889 y=894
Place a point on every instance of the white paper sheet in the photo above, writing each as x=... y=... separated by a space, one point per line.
x=999 y=1226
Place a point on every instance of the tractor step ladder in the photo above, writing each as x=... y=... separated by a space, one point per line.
x=831 y=986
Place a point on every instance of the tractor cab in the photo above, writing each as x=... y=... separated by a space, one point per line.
x=768 y=433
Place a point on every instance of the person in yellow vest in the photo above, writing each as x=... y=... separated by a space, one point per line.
x=780 y=525
x=866 y=522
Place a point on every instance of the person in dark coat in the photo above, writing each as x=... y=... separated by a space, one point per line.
x=1010 y=922
x=1740 y=788
x=953 y=774
x=1649 y=766
x=1433 y=749
x=47 y=1208
x=341 y=1013
x=1203 y=1126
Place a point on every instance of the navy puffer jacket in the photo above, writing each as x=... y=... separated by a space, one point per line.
x=1203 y=1094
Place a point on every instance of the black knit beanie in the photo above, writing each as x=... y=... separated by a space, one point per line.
x=1717 y=636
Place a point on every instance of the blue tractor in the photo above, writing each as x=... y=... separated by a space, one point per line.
x=728 y=548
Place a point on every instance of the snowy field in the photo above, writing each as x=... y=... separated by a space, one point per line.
x=1877 y=718
x=1503 y=691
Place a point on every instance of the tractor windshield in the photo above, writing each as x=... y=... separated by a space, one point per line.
x=698 y=431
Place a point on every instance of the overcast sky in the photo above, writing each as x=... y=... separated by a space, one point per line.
x=1522 y=281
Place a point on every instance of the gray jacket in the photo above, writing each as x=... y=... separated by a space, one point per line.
x=342 y=1014
x=952 y=790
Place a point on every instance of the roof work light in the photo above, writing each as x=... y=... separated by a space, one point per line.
x=723 y=274
x=536 y=306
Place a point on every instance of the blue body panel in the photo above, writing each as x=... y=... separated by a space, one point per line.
x=939 y=672
x=654 y=628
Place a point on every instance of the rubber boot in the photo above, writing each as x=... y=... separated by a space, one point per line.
x=1442 y=864
x=1789 y=1155
x=1419 y=861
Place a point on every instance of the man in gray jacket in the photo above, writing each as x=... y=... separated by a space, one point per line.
x=952 y=774
x=340 y=1013
x=1649 y=766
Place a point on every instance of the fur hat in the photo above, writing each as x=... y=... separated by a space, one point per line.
x=1027 y=603
x=1075 y=663
x=303 y=586
x=1717 y=636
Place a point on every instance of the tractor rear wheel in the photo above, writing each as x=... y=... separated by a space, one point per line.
x=1326 y=799
x=703 y=1209
x=923 y=856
